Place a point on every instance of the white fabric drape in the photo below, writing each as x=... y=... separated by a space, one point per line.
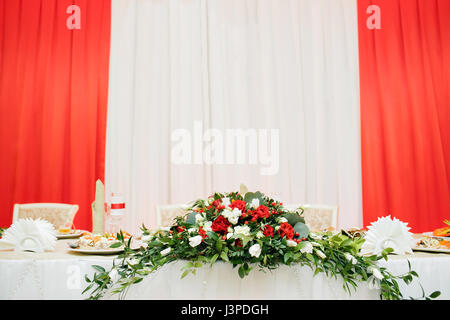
x=290 y=65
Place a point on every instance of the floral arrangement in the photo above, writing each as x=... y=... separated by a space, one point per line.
x=247 y=230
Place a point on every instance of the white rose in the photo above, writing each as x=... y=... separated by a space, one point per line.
x=114 y=275
x=244 y=230
x=166 y=251
x=207 y=226
x=291 y=243
x=260 y=234
x=229 y=235
x=307 y=248
x=195 y=241
x=320 y=254
x=255 y=203
x=282 y=219
x=199 y=217
x=192 y=230
x=350 y=258
x=232 y=215
x=146 y=238
x=255 y=250
x=226 y=202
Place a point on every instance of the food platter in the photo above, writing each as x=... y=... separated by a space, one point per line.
x=433 y=244
x=72 y=235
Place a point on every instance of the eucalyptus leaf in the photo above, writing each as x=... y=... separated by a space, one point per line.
x=302 y=229
x=293 y=218
x=191 y=218
x=250 y=196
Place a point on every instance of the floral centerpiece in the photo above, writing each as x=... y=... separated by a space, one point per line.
x=248 y=230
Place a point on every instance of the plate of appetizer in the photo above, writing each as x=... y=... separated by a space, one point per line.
x=68 y=233
x=98 y=244
x=433 y=244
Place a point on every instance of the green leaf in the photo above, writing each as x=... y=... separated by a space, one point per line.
x=98 y=268
x=224 y=256
x=302 y=229
x=191 y=218
x=250 y=196
x=115 y=245
x=293 y=218
x=241 y=272
x=435 y=294
x=212 y=235
x=219 y=245
x=214 y=258
x=185 y=273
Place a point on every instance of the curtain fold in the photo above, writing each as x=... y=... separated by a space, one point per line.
x=53 y=99
x=290 y=66
x=405 y=112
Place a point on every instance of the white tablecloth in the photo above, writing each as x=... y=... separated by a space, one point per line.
x=60 y=275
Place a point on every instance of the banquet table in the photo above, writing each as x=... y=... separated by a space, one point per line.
x=60 y=275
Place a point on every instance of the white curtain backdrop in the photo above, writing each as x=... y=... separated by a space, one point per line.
x=289 y=65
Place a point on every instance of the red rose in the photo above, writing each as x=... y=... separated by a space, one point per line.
x=238 y=204
x=202 y=232
x=286 y=230
x=262 y=212
x=220 y=225
x=216 y=203
x=238 y=243
x=268 y=231
x=181 y=229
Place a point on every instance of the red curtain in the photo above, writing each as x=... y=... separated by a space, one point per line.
x=53 y=97
x=405 y=111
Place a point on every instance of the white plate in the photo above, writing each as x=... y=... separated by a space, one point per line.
x=434 y=250
x=98 y=251
x=77 y=234
x=431 y=250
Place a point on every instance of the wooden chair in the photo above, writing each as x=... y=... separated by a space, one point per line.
x=318 y=217
x=166 y=214
x=61 y=215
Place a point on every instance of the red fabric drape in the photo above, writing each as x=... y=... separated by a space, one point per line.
x=405 y=112
x=53 y=97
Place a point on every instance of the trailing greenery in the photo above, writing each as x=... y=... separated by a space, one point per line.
x=250 y=231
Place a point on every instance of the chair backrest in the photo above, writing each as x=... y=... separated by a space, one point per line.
x=318 y=217
x=166 y=214
x=61 y=215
